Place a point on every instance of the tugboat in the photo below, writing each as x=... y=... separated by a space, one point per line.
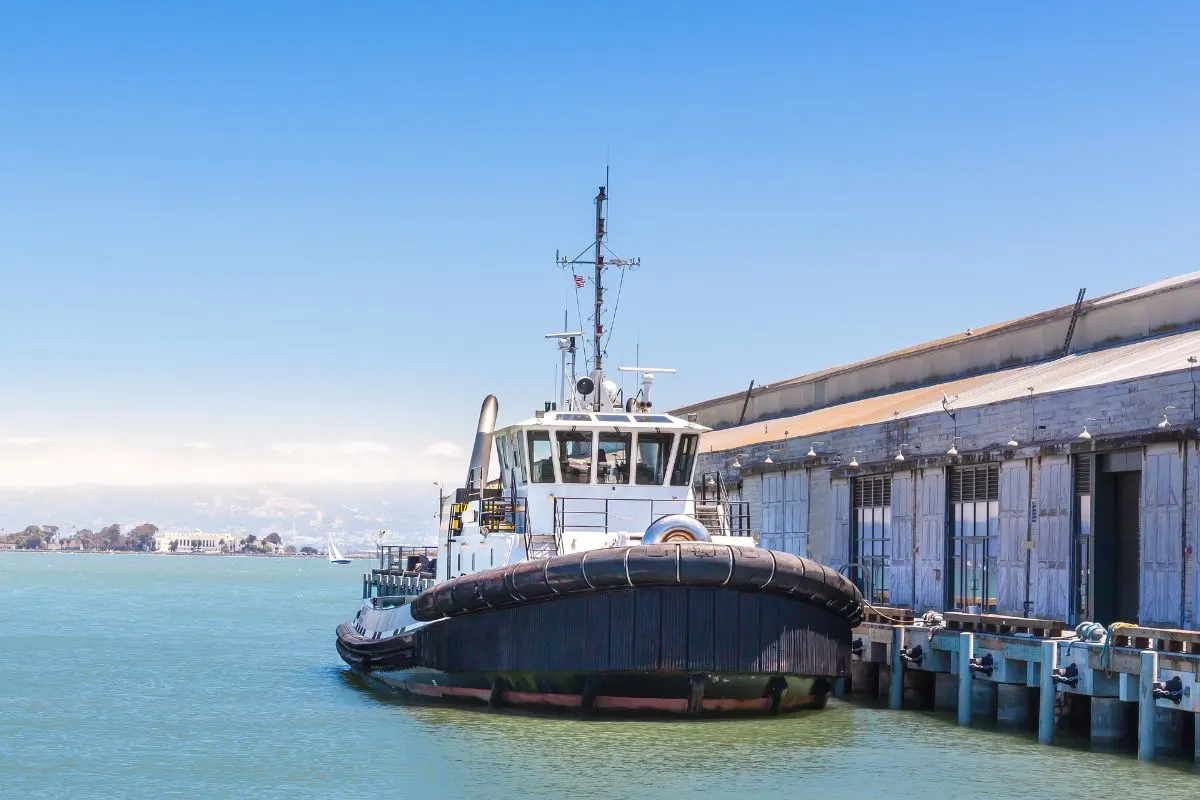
x=595 y=573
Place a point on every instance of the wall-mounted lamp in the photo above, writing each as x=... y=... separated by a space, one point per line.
x=1166 y=423
x=1012 y=442
x=811 y=452
x=854 y=459
x=953 y=451
x=737 y=461
x=1084 y=434
x=900 y=453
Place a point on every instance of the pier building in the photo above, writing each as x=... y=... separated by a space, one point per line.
x=1019 y=479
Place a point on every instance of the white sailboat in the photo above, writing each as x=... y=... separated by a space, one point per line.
x=335 y=557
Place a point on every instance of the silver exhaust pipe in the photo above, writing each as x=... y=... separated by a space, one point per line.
x=481 y=453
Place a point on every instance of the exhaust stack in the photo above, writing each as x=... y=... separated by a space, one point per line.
x=481 y=452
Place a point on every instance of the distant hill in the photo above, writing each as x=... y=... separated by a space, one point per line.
x=304 y=513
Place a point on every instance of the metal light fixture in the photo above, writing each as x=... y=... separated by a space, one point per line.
x=812 y=453
x=900 y=453
x=854 y=459
x=1166 y=423
x=1084 y=434
x=768 y=459
x=953 y=451
x=1013 y=441
x=737 y=461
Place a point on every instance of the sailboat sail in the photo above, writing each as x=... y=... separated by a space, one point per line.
x=335 y=557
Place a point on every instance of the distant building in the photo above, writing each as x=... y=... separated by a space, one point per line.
x=195 y=542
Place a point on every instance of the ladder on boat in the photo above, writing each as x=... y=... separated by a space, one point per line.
x=541 y=545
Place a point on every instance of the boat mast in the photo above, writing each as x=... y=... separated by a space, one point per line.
x=598 y=329
x=599 y=263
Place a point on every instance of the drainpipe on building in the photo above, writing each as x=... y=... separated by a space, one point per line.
x=1183 y=538
x=1028 y=604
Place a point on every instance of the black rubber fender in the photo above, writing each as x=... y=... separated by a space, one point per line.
x=529 y=580
x=702 y=564
x=653 y=565
x=605 y=569
x=679 y=564
x=565 y=574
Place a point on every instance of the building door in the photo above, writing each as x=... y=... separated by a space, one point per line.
x=871 y=537
x=1115 y=559
x=974 y=538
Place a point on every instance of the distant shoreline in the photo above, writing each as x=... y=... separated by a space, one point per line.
x=206 y=555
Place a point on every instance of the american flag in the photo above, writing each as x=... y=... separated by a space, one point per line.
x=579 y=281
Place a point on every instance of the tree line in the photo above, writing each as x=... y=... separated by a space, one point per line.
x=138 y=539
x=110 y=537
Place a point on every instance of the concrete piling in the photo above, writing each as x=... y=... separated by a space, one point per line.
x=966 y=651
x=1147 y=711
x=896 y=687
x=1048 y=693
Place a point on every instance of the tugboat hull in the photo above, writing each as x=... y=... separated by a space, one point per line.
x=605 y=693
x=766 y=639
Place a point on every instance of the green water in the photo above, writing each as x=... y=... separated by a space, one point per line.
x=190 y=676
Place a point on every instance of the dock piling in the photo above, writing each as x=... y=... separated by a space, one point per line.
x=1048 y=691
x=896 y=687
x=966 y=651
x=1147 y=710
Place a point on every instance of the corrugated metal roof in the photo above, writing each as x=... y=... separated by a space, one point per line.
x=1149 y=288
x=1126 y=362
x=1064 y=311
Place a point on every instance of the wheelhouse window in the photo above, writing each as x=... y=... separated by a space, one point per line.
x=503 y=457
x=519 y=440
x=681 y=473
x=652 y=452
x=974 y=533
x=575 y=456
x=612 y=459
x=872 y=545
x=541 y=460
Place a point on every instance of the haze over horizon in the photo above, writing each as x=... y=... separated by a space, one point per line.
x=297 y=245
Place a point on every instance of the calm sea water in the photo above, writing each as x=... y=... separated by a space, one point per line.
x=142 y=676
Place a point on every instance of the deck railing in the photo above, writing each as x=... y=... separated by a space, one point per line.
x=381 y=584
x=629 y=515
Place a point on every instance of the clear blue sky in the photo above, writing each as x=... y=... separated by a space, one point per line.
x=309 y=230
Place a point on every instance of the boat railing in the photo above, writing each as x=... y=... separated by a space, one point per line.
x=627 y=515
x=503 y=514
x=407 y=558
x=385 y=584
